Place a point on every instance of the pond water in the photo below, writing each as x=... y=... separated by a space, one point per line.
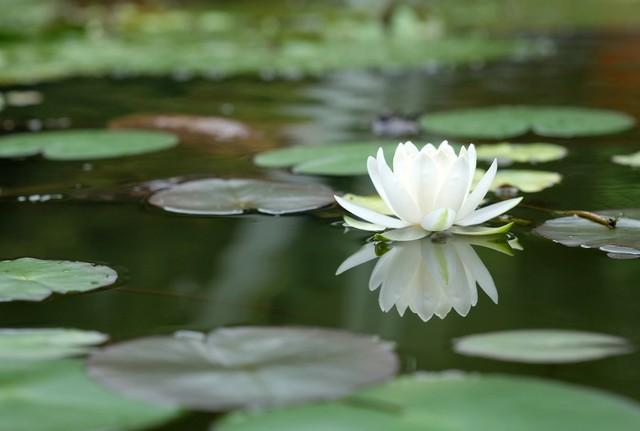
x=180 y=272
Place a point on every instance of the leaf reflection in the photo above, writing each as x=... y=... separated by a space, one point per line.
x=429 y=276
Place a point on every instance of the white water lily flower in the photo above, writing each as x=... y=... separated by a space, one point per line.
x=429 y=190
x=429 y=277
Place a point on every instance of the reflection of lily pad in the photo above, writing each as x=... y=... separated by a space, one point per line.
x=216 y=196
x=499 y=122
x=239 y=367
x=85 y=144
x=454 y=401
x=21 y=344
x=542 y=346
x=334 y=159
x=57 y=396
x=533 y=153
x=527 y=181
x=628 y=159
x=30 y=279
x=575 y=231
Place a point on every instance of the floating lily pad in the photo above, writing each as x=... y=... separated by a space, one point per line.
x=542 y=346
x=241 y=367
x=576 y=231
x=334 y=159
x=85 y=144
x=500 y=122
x=24 y=344
x=532 y=153
x=632 y=160
x=527 y=181
x=454 y=401
x=58 y=396
x=216 y=196
x=29 y=279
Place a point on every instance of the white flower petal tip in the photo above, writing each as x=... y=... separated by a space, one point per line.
x=481 y=230
x=361 y=225
x=489 y=212
x=410 y=233
x=371 y=216
x=439 y=220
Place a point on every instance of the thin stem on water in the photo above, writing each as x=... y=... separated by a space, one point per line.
x=609 y=222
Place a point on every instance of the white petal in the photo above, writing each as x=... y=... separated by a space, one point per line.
x=479 y=192
x=455 y=186
x=487 y=213
x=477 y=270
x=480 y=230
x=410 y=233
x=380 y=271
x=398 y=198
x=427 y=182
x=374 y=175
x=365 y=254
x=472 y=159
x=362 y=225
x=370 y=215
x=439 y=219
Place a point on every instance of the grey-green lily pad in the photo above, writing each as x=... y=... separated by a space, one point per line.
x=29 y=279
x=215 y=196
x=632 y=160
x=243 y=366
x=58 y=396
x=27 y=344
x=454 y=401
x=523 y=153
x=576 y=231
x=527 y=181
x=500 y=122
x=85 y=144
x=333 y=159
x=542 y=346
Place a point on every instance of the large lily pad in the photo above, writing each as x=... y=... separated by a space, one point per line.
x=85 y=144
x=576 y=231
x=58 y=396
x=30 y=279
x=500 y=122
x=632 y=160
x=23 y=344
x=214 y=196
x=240 y=367
x=454 y=401
x=532 y=153
x=542 y=346
x=527 y=181
x=334 y=159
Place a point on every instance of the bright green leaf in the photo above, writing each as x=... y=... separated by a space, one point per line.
x=25 y=344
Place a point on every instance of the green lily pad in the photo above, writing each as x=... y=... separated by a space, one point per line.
x=632 y=160
x=527 y=181
x=500 y=122
x=241 y=367
x=576 y=231
x=58 y=396
x=29 y=279
x=85 y=144
x=542 y=346
x=454 y=401
x=24 y=344
x=214 y=196
x=531 y=153
x=334 y=159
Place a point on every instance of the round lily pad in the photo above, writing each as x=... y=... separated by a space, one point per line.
x=527 y=181
x=632 y=160
x=85 y=144
x=244 y=366
x=542 y=346
x=58 y=396
x=333 y=159
x=531 y=153
x=30 y=279
x=24 y=344
x=576 y=231
x=454 y=401
x=500 y=122
x=214 y=196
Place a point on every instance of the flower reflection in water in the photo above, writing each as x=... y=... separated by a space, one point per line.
x=429 y=276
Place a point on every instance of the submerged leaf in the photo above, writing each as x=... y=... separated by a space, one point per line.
x=632 y=160
x=500 y=122
x=575 y=231
x=214 y=196
x=542 y=346
x=244 y=366
x=30 y=279
x=527 y=181
x=454 y=401
x=85 y=144
x=58 y=396
x=25 y=344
